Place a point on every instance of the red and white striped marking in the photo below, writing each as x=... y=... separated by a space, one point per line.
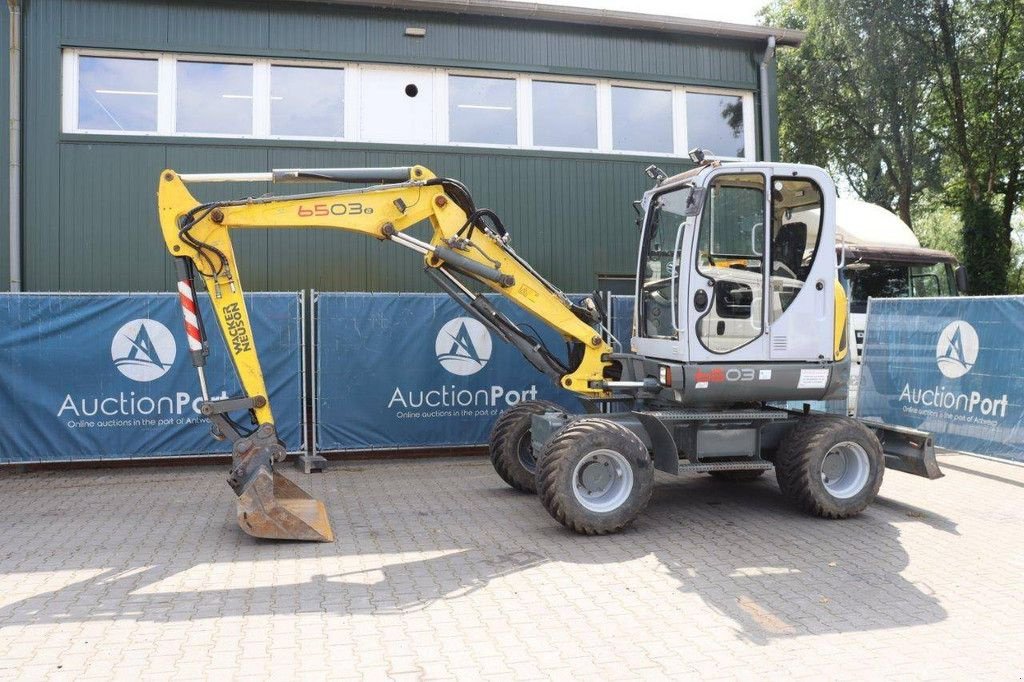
x=188 y=310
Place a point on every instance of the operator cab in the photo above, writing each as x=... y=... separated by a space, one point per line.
x=737 y=265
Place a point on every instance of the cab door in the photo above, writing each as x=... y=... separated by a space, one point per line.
x=662 y=273
x=725 y=311
x=802 y=267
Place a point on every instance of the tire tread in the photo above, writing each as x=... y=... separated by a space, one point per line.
x=552 y=469
x=794 y=469
x=499 y=448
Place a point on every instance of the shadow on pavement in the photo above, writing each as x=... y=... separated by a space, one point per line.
x=740 y=547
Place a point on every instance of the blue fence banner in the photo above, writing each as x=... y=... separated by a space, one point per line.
x=949 y=366
x=621 y=322
x=108 y=376
x=415 y=370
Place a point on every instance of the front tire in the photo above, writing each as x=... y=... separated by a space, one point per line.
x=511 y=448
x=595 y=476
x=830 y=466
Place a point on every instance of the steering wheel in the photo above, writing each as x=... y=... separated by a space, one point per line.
x=655 y=290
x=658 y=283
x=785 y=269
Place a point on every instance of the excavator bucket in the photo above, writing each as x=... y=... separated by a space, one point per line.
x=271 y=506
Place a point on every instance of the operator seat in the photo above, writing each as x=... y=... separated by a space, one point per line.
x=788 y=246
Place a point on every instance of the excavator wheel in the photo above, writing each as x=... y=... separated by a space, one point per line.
x=830 y=466
x=595 y=476
x=510 y=446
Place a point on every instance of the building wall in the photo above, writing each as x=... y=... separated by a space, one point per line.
x=89 y=209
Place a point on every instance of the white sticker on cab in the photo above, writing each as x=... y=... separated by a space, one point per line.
x=813 y=378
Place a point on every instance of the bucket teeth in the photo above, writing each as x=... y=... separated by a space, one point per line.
x=271 y=506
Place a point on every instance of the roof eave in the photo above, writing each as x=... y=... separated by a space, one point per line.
x=586 y=16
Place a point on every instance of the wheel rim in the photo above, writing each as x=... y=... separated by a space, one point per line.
x=602 y=481
x=524 y=450
x=845 y=469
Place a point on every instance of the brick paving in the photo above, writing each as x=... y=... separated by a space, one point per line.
x=439 y=571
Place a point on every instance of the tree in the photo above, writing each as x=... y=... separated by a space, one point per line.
x=852 y=97
x=977 y=55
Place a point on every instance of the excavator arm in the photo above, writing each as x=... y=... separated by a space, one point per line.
x=467 y=245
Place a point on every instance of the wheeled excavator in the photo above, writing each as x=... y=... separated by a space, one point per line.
x=737 y=308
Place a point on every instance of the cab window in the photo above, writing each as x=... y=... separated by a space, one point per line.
x=730 y=252
x=878 y=280
x=660 y=263
x=935 y=279
x=796 y=227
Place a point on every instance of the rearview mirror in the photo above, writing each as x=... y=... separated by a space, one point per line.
x=961 y=279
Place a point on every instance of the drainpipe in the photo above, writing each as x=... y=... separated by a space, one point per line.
x=766 y=133
x=14 y=106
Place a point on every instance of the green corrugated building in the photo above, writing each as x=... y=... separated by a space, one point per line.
x=549 y=114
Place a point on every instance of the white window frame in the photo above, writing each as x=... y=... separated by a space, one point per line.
x=69 y=86
x=441 y=91
x=172 y=93
x=603 y=137
x=313 y=64
x=749 y=138
x=678 y=143
x=353 y=72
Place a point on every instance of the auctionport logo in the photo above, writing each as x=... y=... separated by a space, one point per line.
x=143 y=350
x=463 y=346
x=957 y=349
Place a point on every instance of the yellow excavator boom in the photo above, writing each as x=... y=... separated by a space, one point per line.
x=466 y=244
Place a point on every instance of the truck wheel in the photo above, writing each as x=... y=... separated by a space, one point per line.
x=510 y=446
x=595 y=476
x=737 y=476
x=830 y=466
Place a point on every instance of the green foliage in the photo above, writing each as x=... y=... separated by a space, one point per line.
x=986 y=254
x=850 y=97
x=937 y=225
x=977 y=107
x=916 y=100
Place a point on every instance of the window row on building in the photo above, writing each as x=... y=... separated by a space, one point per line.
x=139 y=93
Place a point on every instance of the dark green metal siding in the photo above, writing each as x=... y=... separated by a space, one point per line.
x=90 y=216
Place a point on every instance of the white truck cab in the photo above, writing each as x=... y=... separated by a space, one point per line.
x=882 y=258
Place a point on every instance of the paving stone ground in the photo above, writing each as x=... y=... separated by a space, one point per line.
x=440 y=571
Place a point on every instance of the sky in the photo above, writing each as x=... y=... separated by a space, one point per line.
x=735 y=11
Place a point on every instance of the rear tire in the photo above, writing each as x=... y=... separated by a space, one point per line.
x=830 y=466
x=737 y=476
x=510 y=447
x=595 y=476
